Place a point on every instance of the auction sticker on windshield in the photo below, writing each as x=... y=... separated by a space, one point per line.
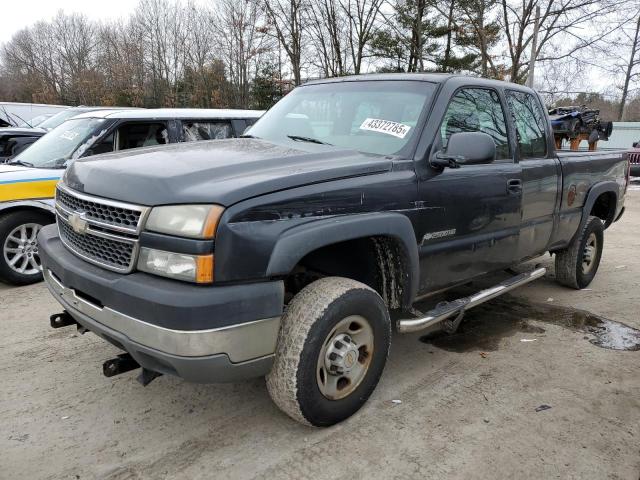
x=69 y=135
x=396 y=129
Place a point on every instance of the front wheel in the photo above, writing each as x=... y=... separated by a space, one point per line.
x=332 y=347
x=20 y=259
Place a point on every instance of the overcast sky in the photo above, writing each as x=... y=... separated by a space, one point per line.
x=17 y=15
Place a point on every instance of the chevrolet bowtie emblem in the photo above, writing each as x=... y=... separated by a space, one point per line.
x=78 y=223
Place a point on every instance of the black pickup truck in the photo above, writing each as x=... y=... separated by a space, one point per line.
x=287 y=253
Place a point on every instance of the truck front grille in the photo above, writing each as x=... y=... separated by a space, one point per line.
x=114 y=254
x=100 y=231
x=634 y=158
x=108 y=214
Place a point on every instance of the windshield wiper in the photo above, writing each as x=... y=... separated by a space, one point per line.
x=249 y=136
x=299 y=138
x=22 y=162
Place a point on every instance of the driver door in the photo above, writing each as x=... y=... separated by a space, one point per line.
x=470 y=216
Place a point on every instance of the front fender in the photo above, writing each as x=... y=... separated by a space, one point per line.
x=46 y=205
x=297 y=242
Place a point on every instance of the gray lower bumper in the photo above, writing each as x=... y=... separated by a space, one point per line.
x=203 y=356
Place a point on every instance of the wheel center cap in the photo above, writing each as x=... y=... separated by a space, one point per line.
x=342 y=355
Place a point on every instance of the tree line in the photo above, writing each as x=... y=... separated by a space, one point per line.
x=248 y=53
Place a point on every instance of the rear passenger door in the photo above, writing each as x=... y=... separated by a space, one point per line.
x=197 y=130
x=541 y=175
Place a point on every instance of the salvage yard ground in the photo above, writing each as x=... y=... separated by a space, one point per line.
x=447 y=407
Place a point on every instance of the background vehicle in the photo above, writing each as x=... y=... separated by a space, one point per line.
x=288 y=253
x=634 y=159
x=12 y=113
x=14 y=140
x=27 y=183
x=572 y=121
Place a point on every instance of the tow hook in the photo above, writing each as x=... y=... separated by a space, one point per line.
x=125 y=363
x=121 y=364
x=60 y=320
x=147 y=376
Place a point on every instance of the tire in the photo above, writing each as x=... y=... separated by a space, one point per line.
x=571 y=262
x=12 y=246
x=310 y=332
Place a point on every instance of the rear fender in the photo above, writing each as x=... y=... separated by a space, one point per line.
x=595 y=191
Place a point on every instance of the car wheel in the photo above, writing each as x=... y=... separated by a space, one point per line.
x=20 y=260
x=577 y=265
x=332 y=347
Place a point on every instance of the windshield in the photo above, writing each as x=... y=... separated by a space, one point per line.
x=67 y=141
x=377 y=117
x=35 y=121
x=59 y=118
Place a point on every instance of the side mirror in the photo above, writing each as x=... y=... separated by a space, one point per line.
x=466 y=148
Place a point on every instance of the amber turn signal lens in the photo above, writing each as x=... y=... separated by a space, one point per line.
x=211 y=223
x=204 y=268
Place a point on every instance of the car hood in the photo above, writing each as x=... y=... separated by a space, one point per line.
x=21 y=132
x=219 y=171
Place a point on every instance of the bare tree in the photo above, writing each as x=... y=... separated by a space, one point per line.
x=363 y=17
x=241 y=33
x=328 y=23
x=566 y=28
x=287 y=17
x=633 y=62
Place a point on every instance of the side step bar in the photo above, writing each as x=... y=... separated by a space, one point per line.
x=457 y=307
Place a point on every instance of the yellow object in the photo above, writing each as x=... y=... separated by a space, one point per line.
x=25 y=189
x=211 y=224
x=204 y=269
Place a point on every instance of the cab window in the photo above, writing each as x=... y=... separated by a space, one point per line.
x=477 y=110
x=193 y=131
x=143 y=134
x=530 y=122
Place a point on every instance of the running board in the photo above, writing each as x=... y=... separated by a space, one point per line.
x=456 y=307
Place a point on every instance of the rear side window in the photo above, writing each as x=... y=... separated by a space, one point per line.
x=136 y=135
x=530 y=122
x=477 y=110
x=193 y=131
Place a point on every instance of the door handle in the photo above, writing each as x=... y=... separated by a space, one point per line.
x=514 y=186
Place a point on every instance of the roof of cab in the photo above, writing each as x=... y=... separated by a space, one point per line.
x=457 y=79
x=169 y=113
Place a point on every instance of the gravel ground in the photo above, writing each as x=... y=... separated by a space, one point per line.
x=447 y=407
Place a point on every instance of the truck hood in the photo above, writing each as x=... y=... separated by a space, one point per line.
x=219 y=171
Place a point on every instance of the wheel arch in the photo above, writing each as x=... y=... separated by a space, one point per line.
x=601 y=202
x=389 y=232
x=27 y=205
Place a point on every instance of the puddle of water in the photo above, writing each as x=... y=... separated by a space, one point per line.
x=484 y=327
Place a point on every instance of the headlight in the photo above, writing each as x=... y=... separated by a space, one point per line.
x=192 y=221
x=179 y=266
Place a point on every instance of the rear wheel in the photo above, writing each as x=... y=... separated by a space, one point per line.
x=577 y=265
x=332 y=347
x=20 y=259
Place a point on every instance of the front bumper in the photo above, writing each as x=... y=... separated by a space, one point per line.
x=635 y=169
x=209 y=348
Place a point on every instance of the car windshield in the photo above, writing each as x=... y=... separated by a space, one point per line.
x=378 y=117
x=35 y=121
x=59 y=118
x=67 y=141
